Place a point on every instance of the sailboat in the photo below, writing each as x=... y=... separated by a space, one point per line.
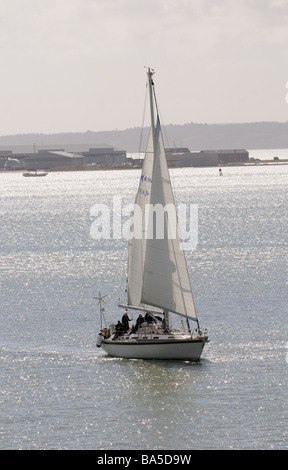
x=34 y=173
x=158 y=283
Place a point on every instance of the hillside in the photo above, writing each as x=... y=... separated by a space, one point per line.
x=259 y=135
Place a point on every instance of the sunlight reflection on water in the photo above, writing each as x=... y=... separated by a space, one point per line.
x=59 y=391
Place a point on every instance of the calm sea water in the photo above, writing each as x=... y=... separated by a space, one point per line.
x=58 y=391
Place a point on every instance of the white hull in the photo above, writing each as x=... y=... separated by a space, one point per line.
x=188 y=350
x=33 y=175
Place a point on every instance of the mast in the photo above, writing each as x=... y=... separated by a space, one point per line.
x=151 y=84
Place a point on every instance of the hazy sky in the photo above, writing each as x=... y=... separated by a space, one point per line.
x=74 y=65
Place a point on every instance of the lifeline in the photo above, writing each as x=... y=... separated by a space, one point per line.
x=106 y=460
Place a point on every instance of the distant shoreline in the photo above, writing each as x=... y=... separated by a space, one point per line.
x=110 y=168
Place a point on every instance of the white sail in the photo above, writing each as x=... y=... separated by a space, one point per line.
x=157 y=271
x=137 y=242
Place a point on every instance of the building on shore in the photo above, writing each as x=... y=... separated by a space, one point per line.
x=5 y=155
x=198 y=159
x=174 y=155
x=13 y=164
x=104 y=156
x=207 y=157
x=48 y=159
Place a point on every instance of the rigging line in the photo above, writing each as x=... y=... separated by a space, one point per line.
x=175 y=260
x=165 y=133
x=143 y=117
x=163 y=127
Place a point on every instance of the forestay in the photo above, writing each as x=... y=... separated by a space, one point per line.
x=157 y=270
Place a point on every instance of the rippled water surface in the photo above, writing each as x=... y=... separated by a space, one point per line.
x=58 y=391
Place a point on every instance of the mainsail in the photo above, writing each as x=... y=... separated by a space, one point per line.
x=157 y=270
